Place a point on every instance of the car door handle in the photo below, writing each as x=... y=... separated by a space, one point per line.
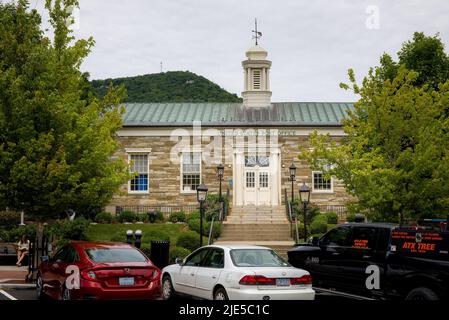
x=366 y=257
x=192 y=274
x=335 y=253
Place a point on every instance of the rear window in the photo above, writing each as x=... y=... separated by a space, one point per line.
x=256 y=258
x=115 y=255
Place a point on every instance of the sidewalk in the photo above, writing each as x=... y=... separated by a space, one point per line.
x=14 y=277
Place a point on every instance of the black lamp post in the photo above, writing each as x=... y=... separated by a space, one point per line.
x=220 y=173
x=292 y=178
x=304 y=196
x=201 y=196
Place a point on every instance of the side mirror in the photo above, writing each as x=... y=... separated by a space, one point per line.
x=315 y=241
x=45 y=258
x=179 y=261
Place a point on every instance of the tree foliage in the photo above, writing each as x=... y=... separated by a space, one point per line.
x=56 y=138
x=423 y=54
x=394 y=158
x=173 y=86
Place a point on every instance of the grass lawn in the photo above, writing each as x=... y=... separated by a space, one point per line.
x=104 y=232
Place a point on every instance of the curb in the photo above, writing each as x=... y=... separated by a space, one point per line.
x=17 y=286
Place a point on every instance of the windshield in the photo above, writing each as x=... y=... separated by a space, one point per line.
x=115 y=255
x=256 y=258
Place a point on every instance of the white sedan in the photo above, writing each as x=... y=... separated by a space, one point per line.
x=236 y=272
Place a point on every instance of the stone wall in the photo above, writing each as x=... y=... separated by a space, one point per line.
x=165 y=176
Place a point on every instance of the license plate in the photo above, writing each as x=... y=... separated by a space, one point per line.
x=282 y=282
x=126 y=281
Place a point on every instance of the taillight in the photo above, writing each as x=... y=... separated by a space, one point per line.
x=89 y=275
x=305 y=279
x=155 y=275
x=257 y=281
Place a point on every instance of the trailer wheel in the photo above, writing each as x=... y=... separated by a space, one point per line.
x=422 y=294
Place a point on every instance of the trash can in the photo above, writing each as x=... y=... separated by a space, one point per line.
x=160 y=253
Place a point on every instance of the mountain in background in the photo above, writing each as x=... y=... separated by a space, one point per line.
x=172 y=86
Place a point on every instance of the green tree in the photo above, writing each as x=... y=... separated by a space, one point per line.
x=56 y=138
x=423 y=54
x=394 y=158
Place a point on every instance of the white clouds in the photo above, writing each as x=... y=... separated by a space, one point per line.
x=311 y=43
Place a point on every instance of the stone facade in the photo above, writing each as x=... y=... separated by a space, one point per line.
x=165 y=174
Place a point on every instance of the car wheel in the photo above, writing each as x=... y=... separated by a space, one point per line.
x=40 y=287
x=66 y=294
x=168 y=292
x=422 y=294
x=220 y=294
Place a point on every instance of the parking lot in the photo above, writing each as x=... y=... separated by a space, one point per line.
x=30 y=294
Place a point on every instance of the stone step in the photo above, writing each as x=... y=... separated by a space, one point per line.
x=257 y=227
x=280 y=247
x=252 y=237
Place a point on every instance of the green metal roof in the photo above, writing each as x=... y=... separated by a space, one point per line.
x=235 y=114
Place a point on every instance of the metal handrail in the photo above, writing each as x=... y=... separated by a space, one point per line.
x=210 y=240
x=289 y=209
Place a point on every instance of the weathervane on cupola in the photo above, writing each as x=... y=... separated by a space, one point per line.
x=256 y=67
x=257 y=34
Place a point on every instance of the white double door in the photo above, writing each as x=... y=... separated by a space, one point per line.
x=257 y=186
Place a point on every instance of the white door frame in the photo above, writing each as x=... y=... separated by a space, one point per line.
x=239 y=178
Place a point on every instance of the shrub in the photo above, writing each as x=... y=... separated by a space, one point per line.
x=350 y=217
x=193 y=215
x=177 y=217
x=321 y=218
x=189 y=240
x=14 y=234
x=194 y=224
x=155 y=216
x=178 y=252
x=103 y=217
x=69 y=230
x=332 y=218
x=318 y=226
x=141 y=217
x=127 y=216
x=9 y=219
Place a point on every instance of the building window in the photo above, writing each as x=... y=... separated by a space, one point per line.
x=191 y=171
x=139 y=167
x=256 y=79
x=320 y=184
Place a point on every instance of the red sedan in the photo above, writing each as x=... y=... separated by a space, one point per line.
x=98 y=270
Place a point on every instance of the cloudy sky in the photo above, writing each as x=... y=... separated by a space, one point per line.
x=311 y=43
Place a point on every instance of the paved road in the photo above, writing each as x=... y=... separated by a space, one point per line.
x=30 y=294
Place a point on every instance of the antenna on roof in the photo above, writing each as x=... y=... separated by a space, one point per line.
x=161 y=66
x=257 y=34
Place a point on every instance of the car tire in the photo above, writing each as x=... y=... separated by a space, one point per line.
x=422 y=294
x=168 y=292
x=220 y=294
x=40 y=287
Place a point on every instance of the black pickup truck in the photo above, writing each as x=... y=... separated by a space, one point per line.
x=378 y=261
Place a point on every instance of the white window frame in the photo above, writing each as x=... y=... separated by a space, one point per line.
x=181 y=173
x=331 y=190
x=139 y=151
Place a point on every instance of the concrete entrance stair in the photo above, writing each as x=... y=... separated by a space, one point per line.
x=258 y=225
x=257 y=215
